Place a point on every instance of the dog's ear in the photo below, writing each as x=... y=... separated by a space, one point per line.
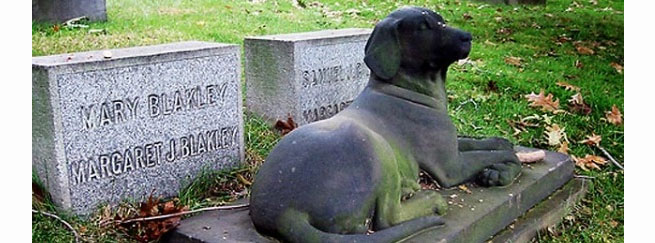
x=382 y=51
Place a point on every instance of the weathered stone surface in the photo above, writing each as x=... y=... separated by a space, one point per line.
x=471 y=217
x=108 y=129
x=62 y=10
x=217 y=226
x=476 y=216
x=310 y=76
x=548 y=213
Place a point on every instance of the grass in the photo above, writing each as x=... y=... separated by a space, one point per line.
x=527 y=32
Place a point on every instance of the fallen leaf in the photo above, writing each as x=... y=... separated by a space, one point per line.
x=467 y=16
x=564 y=148
x=577 y=104
x=617 y=66
x=545 y=102
x=567 y=86
x=589 y=162
x=554 y=135
x=464 y=188
x=584 y=50
x=592 y=140
x=56 y=28
x=515 y=61
x=613 y=224
x=578 y=64
x=286 y=126
x=504 y=31
x=614 y=116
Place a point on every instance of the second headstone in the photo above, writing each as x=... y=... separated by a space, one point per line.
x=309 y=76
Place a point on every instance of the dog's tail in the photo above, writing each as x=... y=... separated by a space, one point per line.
x=294 y=226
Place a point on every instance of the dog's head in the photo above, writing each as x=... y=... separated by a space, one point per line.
x=414 y=38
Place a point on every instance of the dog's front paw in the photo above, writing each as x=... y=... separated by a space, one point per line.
x=500 y=174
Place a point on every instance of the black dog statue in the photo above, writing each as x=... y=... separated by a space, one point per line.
x=338 y=179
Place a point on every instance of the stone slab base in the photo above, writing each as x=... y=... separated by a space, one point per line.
x=548 y=213
x=474 y=215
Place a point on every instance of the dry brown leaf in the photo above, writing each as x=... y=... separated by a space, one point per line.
x=515 y=61
x=546 y=103
x=568 y=86
x=577 y=104
x=614 y=116
x=614 y=224
x=564 y=148
x=584 y=50
x=286 y=126
x=589 y=162
x=592 y=140
x=617 y=66
x=465 y=189
x=555 y=135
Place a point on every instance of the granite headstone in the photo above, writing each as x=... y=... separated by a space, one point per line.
x=310 y=76
x=118 y=124
x=62 y=10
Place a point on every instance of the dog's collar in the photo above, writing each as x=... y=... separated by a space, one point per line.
x=405 y=94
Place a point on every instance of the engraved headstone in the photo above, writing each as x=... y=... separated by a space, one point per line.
x=63 y=10
x=310 y=76
x=111 y=127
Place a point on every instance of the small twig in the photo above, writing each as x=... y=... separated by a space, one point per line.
x=609 y=156
x=584 y=177
x=77 y=236
x=231 y=207
x=466 y=102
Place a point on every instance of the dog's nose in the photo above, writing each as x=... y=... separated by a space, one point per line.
x=466 y=37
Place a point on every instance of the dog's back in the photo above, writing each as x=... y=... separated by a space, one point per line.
x=327 y=170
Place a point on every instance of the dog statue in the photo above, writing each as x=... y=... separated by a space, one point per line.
x=338 y=179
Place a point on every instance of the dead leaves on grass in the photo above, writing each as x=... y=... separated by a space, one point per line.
x=147 y=231
x=589 y=162
x=514 y=61
x=614 y=116
x=577 y=104
x=568 y=86
x=545 y=102
x=592 y=140
x=555 y=135
x=618 y=67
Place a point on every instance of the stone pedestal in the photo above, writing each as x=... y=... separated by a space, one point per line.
x=58 y=11
x=471 y=217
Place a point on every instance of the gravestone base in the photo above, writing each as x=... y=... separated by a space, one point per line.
x=548 y=213
x=471 y=217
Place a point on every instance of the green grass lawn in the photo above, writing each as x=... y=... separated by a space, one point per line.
x=487 y=94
